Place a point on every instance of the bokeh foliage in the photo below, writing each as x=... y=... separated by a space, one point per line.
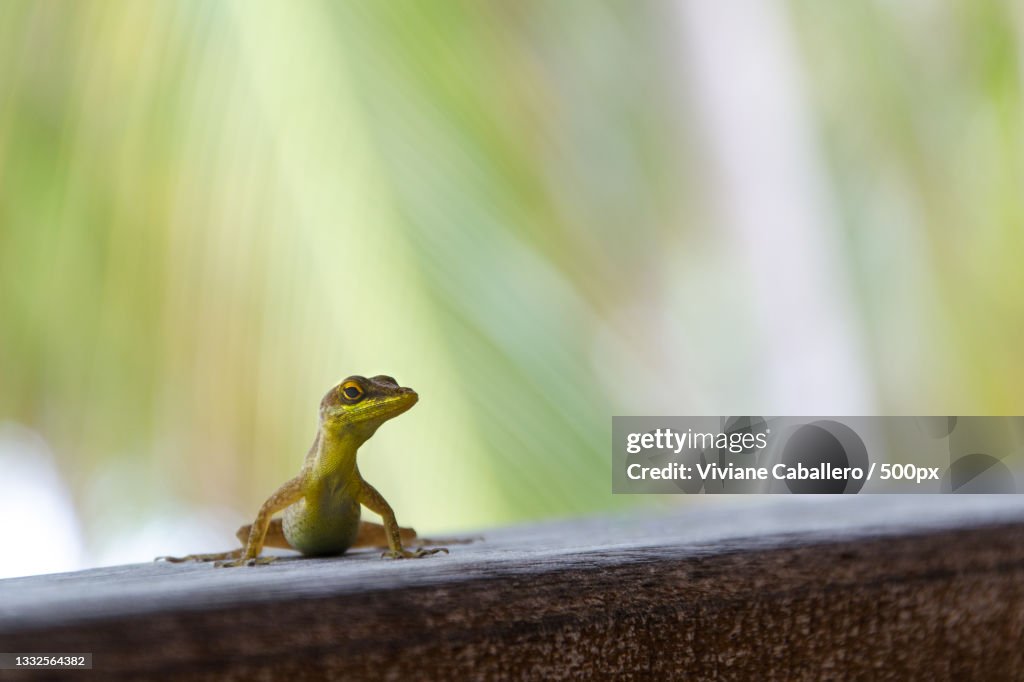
x=210 y=212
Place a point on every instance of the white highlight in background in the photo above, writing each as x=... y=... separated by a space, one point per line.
x=40 y=528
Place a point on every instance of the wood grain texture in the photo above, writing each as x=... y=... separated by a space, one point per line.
x=872 y=587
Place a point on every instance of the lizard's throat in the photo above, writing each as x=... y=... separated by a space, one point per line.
x=336 y=455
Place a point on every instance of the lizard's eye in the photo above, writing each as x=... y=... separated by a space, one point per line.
x=352 y=390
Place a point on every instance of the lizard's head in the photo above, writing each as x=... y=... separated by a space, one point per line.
x=364 y=404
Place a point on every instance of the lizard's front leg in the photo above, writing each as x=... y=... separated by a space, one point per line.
x=287 y=494
x=375 y=502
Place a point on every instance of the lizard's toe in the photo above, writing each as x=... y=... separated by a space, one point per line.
x=418 y=553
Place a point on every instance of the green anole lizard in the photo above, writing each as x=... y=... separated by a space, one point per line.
x=322 y=504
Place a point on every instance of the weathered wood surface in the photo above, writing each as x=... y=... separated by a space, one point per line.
x=869 y=587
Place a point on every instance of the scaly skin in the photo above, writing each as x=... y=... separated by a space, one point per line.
x=322 y=504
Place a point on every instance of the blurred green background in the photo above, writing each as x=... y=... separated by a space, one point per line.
x=537 y=214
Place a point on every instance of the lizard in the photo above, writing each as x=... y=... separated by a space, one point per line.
x=322 y=505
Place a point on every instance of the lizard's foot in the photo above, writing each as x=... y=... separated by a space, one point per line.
x=417 y=553
x=254 y=561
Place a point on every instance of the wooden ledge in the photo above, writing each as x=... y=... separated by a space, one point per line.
x=866 y=587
